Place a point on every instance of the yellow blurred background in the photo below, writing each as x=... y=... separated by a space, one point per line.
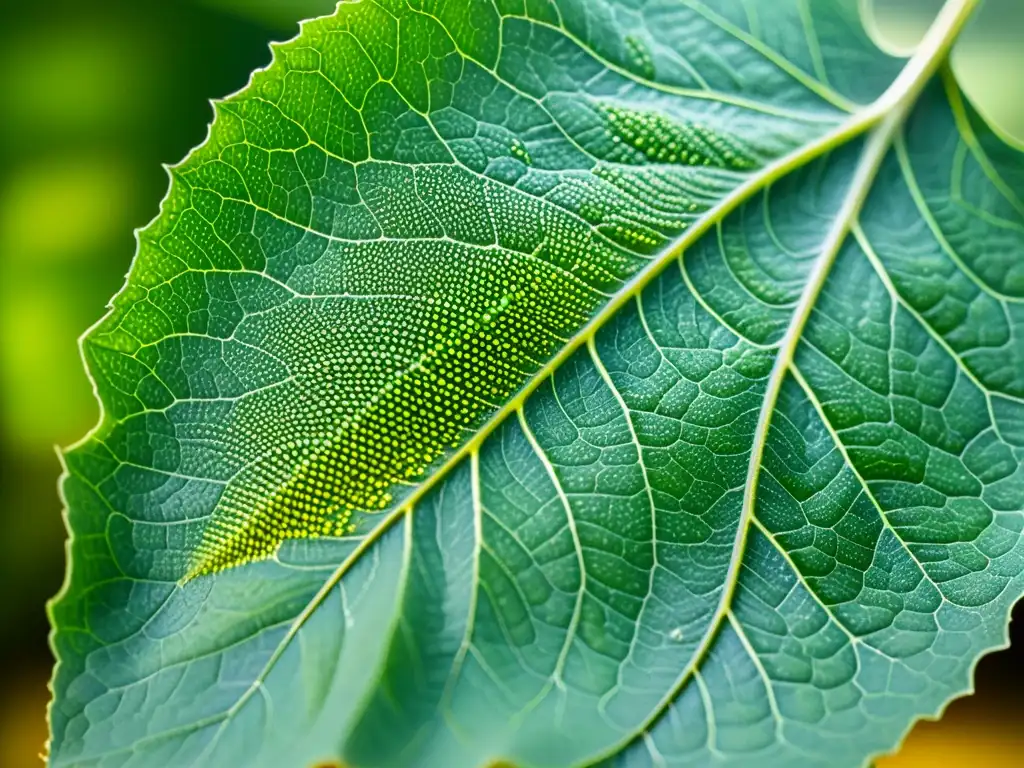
x=95 y=96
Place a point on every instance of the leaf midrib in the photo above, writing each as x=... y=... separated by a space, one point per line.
x=881 y=120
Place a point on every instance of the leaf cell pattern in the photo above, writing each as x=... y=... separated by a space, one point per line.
x=555 y=383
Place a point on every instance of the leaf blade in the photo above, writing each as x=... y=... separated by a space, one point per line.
x=520 y=743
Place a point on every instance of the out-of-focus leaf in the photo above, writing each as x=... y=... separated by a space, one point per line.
x=273 y=12
x=55 y=215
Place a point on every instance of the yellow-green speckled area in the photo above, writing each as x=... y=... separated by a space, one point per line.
x=659 y=139
x=387 y=233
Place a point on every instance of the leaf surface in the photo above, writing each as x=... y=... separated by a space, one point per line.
x=555 y=383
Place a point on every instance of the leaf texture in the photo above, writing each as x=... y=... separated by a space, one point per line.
x=551 y=383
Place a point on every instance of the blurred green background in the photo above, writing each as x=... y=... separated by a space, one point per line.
x=95 y=96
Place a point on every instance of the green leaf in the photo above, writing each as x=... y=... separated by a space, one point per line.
x=550 y=383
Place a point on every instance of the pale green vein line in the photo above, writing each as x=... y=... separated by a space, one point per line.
x=677 y=54
x=956 y=172
x=514 y=648
x=710 y=722
x=641 y=313
x=746 y=285
x=494 y=72
x=989 y=217
x=293 y=630
x=627 y=415
x=467 y=641
x=753 y=21
x=769 y=226
x=488 y=670
x=570 y=634
x=841 y=447
x=163 y=736
x=811 y=35
x=657 y=758
x=963 y=125
x=820 y=89
x=755 y=659
x=802 y=580
x=699 y=298
x=924 y=209
x=397 y=619
x=899 y=300
x=167 y=473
